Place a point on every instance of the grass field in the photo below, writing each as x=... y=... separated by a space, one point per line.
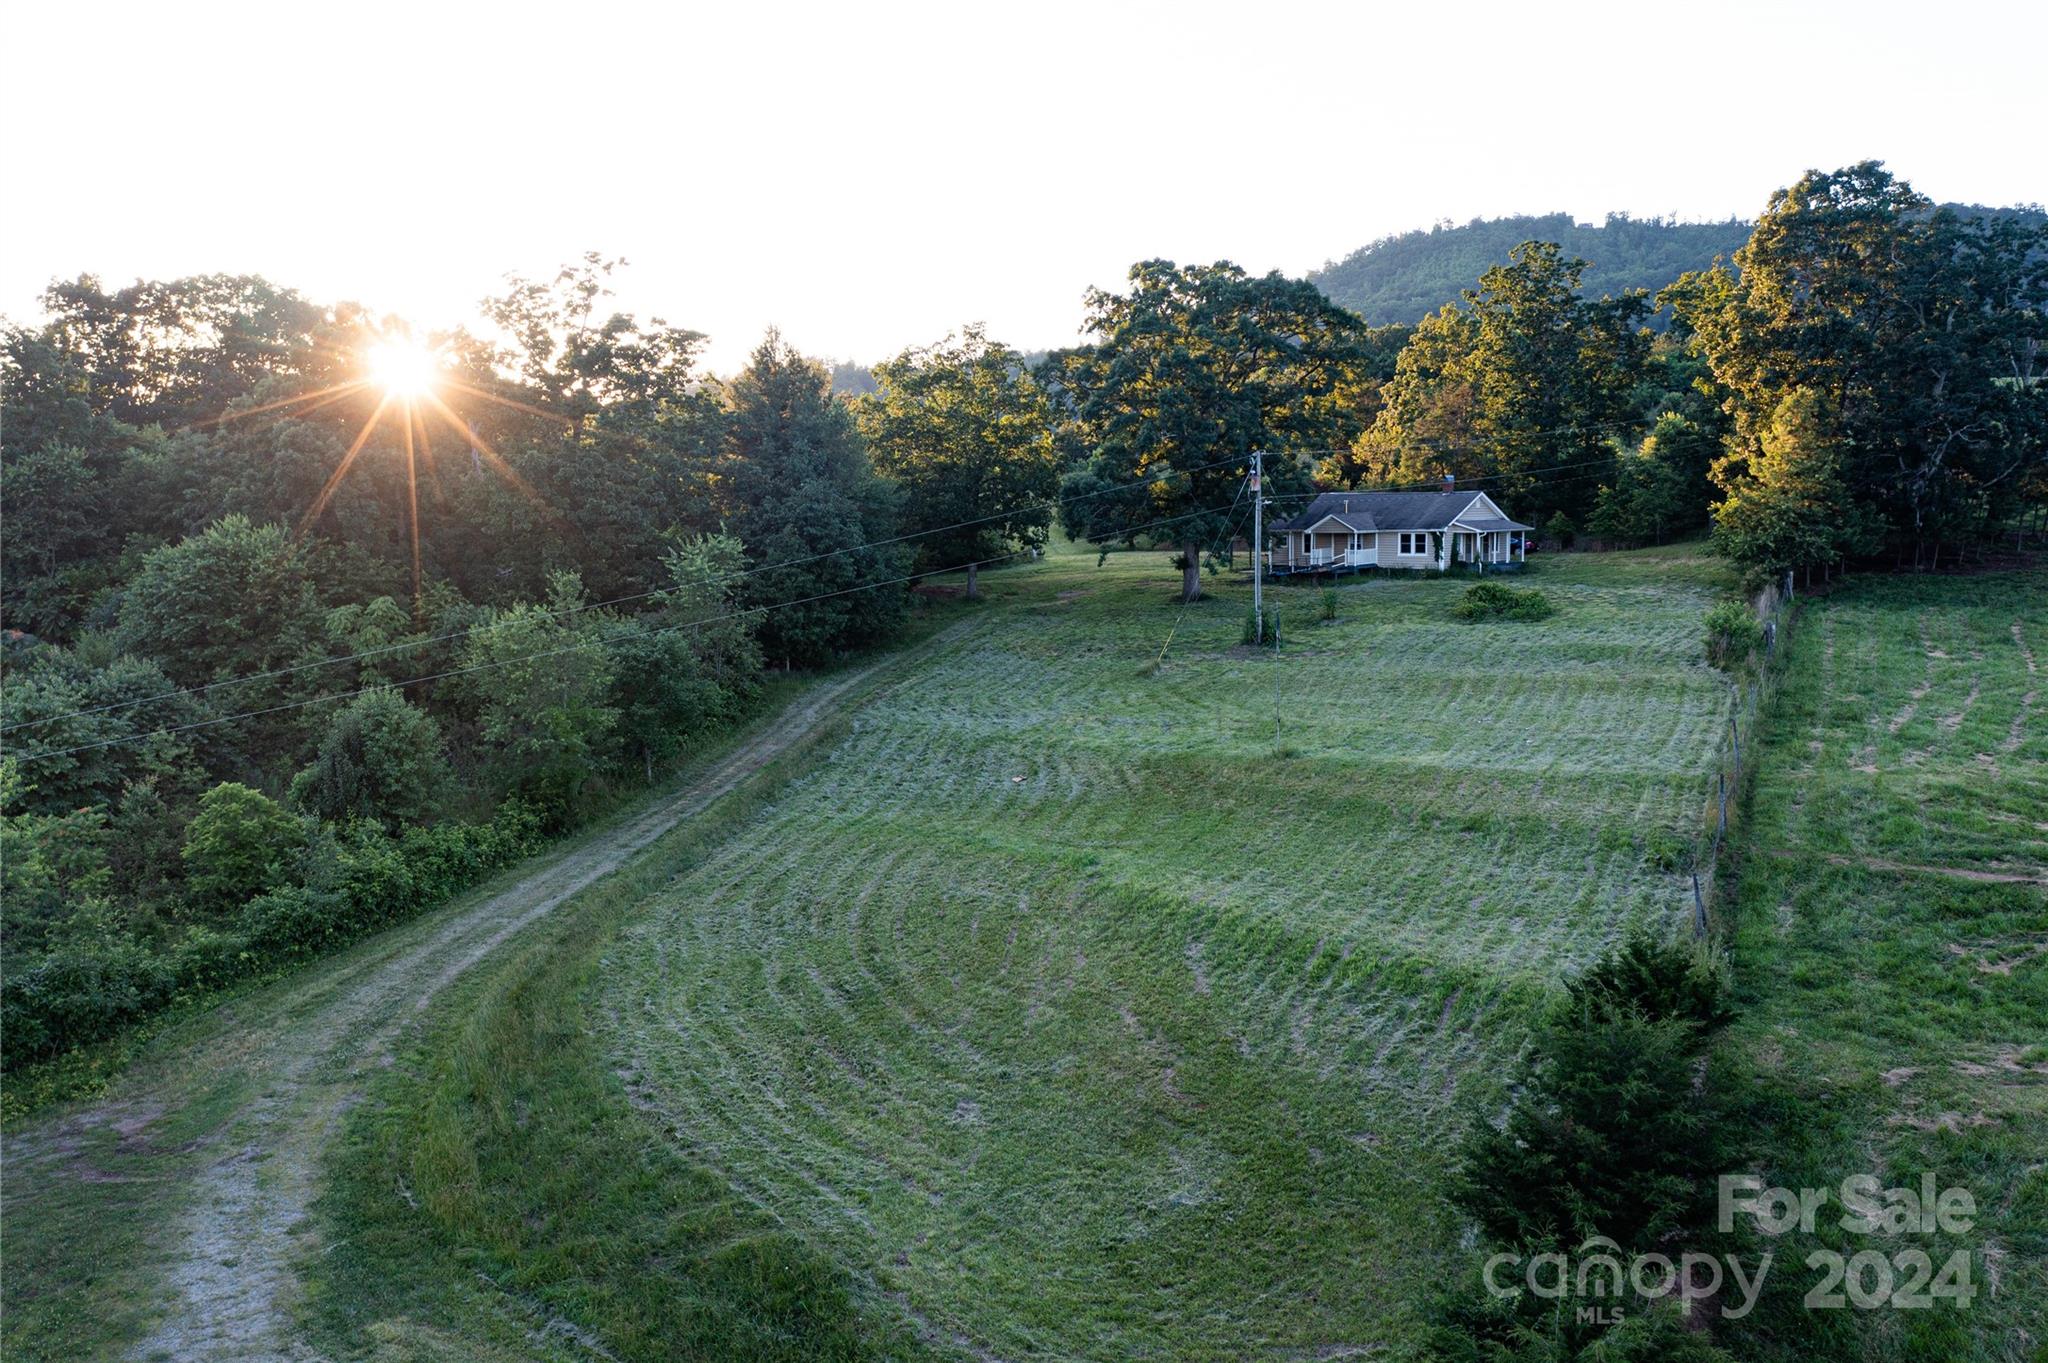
x=1047 y=1004
x=1083 y=1010
x=1892 y=948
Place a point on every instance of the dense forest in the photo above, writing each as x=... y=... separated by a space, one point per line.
x=1406 y=277
x=310 y=622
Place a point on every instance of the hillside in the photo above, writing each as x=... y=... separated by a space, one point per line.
x=1044 y=1008
x=1076 y=1012
x=1404 y=278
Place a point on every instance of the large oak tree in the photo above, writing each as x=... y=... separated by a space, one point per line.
x=1191 y=370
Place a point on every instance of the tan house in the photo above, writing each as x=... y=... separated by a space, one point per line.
x=1350 y=531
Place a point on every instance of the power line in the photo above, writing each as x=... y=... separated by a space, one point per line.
x=1480 y=478
x=405 y=645
x=409 y=645
x=1455 y=445
x=579 y=646
x=1230 y=533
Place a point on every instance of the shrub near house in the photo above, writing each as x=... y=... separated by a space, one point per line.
x=1492 y=601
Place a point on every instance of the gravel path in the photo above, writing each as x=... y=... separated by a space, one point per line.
x=306 y=1047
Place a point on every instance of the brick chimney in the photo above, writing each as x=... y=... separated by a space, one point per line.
x=1450 y=482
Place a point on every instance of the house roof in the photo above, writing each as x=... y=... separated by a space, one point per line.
x=1356 y=521
x=1488 y=524
x=1383 y=510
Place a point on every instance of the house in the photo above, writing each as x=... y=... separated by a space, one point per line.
x=1349 y=531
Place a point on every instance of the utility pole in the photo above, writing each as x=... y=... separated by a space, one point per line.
x=1258 y=550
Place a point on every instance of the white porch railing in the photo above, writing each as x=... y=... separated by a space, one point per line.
x=1322 y=560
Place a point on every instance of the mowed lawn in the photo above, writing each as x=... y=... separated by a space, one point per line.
x=1892 y=952
x=1087 y=1010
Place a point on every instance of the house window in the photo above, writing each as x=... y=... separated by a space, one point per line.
x=1414 y=545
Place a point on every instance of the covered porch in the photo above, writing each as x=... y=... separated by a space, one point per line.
x=1492 y=542
x=1323 y=551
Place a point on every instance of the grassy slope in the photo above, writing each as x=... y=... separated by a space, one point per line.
x=1086 y=1012
x=1897 y=1021
x=497 y=1198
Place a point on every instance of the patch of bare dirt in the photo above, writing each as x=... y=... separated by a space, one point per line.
x=2027 y=876
x=2019 y=720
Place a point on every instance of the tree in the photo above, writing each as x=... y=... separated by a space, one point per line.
x=1360 y=397
x=238 y=845
x=233 y=600
x=1920 y=333
x=233 y=604
x=966 y=433
x=1526 y=383
x=49 y=862
x=181 y=350
x=55 y=521
x=624 y=454
x=690 y=663
x=800 y=493
x=537 y=686
x=380 y=759
x=1603 y=1139
x=89 y=731
x=1660 y=488
x=1191 y=371
x=1790 y=506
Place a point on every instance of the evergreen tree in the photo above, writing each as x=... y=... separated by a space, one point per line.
x=800 y=493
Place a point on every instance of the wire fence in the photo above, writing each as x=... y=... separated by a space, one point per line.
x=1735 y=750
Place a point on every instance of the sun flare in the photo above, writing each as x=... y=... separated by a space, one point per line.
x=403 y=367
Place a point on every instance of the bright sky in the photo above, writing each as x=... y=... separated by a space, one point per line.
x=867 y=176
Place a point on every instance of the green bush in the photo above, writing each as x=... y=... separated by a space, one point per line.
x=356 y=883
x=1494 y=601
x=1326 y=604
x=1250 y=634
x=1733 y=635
x=380 y=759
x=1659 y=981
x=79 y=994
x=238 y=845
x=1605 y=1136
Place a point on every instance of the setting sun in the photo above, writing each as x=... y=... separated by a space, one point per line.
x=402 y=367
